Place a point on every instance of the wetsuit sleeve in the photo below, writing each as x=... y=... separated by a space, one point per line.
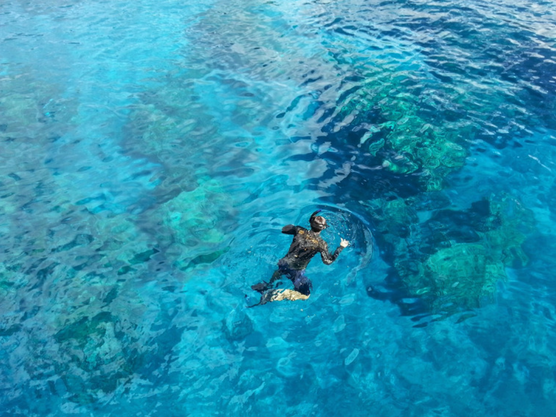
x=290 y=229
x=328 y=258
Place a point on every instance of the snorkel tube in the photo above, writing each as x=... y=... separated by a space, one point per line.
x=312 y=219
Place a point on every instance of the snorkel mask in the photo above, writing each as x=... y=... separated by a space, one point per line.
x=318 y=223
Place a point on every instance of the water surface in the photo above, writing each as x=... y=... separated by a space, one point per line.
x=152 y=151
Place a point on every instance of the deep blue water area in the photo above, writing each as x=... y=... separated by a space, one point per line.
x=151 y=152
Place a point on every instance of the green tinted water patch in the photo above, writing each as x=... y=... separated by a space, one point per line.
x=186 y=133
x=95 y=357
x=455 y=259
x=429 y=125
x=461 y=276
x=381 y=109
x=392 y=134
x=194 y=223
x=193 y=215
x=409 y=143
x=103 y=333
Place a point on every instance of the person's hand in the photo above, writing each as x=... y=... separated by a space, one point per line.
x=344 y=243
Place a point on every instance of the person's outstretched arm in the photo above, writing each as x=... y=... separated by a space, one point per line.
x=290 y=229
x=328 y=258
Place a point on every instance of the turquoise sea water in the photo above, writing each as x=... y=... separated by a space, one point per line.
x=152 y=151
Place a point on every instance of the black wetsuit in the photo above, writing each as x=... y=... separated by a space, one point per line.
x=305 y=245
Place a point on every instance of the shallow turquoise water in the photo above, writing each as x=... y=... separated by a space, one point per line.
x=152 y=151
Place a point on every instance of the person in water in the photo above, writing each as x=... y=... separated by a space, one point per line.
x=305 y=245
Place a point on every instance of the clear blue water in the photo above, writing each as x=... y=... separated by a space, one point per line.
x=152 y=151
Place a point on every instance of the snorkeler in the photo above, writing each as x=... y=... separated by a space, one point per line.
x=305 y=245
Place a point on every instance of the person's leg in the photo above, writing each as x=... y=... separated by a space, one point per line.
x=263 y=286
x=275 y=277
x=302 y=290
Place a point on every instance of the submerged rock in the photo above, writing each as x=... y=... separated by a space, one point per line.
x=454 y=260
x=195 y=223
x=237 y=325
x=193 y=216
x=462 y=274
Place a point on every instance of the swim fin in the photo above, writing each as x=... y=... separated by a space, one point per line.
x=260 y=287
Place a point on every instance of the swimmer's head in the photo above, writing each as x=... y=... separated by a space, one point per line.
x=318 y=223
